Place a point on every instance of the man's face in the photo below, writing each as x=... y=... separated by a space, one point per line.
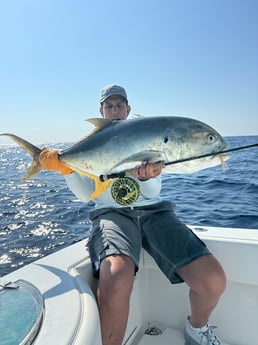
x=115 y=108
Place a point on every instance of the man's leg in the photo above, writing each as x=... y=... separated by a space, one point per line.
x=207 y=282
x=114 y=290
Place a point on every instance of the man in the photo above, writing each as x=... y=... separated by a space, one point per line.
x=115 y=242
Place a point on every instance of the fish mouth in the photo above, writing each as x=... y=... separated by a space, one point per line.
x=221 y=155
x=219 y=152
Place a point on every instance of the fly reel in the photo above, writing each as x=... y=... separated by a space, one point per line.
x=125 y=191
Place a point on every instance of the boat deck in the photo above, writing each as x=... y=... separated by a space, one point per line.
x=168 y=337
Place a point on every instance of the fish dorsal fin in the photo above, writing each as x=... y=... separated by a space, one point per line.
x=137 y=116
x=99 y=123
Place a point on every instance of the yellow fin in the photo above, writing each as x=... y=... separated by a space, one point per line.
x=100 y=188
x=99 y=123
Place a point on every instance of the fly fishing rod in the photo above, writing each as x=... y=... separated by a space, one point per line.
x=129 y=172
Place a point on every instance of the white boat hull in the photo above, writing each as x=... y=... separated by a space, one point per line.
x=71 y=315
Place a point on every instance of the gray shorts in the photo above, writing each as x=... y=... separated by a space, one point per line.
x=155 y=228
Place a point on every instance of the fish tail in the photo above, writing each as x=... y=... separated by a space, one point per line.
x=34 y=151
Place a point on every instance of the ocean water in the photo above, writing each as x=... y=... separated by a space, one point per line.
x=40 y=216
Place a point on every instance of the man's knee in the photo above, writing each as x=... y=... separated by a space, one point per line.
x=205 y=276
x=116 y=275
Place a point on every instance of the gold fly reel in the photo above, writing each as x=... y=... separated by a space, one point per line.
x=125 y=191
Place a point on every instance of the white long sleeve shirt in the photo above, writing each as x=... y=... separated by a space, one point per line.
x=83 y=187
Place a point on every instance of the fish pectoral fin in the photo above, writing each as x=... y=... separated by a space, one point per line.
x=100 y=187
x=137 y=158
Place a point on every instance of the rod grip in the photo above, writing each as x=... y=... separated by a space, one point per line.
x=124 y=173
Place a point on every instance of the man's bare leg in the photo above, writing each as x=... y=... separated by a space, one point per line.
x=207 y=282
x=114 y=290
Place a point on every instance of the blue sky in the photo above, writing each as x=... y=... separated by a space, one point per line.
x=195 y=58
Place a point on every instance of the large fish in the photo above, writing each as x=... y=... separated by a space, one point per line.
x=115 y=146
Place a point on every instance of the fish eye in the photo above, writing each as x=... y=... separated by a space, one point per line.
x=165 y=140
x=211 y=138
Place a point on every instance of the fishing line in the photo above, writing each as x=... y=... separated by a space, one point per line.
x=247 y=183
x=127 y=172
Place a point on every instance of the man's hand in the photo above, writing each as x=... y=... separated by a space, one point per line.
x=49 y=160
x=147 y=170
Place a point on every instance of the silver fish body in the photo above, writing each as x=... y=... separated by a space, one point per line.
x=116 y=146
